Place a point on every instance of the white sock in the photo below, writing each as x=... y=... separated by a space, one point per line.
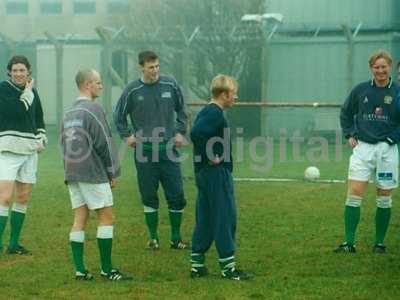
x=77 y=236
x=105 y=232
x=4 y=210
x=21 y=208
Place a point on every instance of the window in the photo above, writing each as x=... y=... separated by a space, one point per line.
x=115 y=7
x=84 y=7
x=50 y=7
x=17 y=7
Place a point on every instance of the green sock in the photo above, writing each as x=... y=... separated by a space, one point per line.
x=351 y=219
x=77 y=255
x=382 y=219
x=3 y=223
x=227 y=263
x=16 y=222
x=77 y=239
x=175 y=218
x=104 y=241
x=197 y=260
x=152 y=223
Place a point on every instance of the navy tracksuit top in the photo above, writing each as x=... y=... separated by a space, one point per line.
x=372 y=114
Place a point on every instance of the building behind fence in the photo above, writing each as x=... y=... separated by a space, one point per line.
x=316 y=54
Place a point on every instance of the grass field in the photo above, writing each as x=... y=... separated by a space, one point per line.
x=286 y=233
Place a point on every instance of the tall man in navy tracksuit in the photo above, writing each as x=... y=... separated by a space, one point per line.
x=215 y=207
x=156 y=109
x=370 y=119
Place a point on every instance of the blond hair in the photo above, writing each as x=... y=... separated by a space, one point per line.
x=222 y=83
x=380 y=54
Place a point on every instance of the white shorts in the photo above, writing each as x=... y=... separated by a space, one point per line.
x=380 y=159
x=18 y=167
x=94 y=195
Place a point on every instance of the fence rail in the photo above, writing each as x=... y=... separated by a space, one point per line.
x=273 y=104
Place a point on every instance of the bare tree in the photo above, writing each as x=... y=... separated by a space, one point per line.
x=205 y=37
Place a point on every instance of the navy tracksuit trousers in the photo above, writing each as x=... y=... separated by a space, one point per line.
x=151 y=172
x=215 y=212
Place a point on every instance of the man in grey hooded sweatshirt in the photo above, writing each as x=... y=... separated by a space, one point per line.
x=91 y=167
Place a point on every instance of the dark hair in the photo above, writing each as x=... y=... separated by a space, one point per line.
x=146 y=56
x=18 y=59
x=398 y=65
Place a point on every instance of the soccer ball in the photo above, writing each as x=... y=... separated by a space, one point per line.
x=311 y=173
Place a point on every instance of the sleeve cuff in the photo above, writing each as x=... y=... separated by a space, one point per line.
x=27 y=98
x=183 y=132
x=125 y=135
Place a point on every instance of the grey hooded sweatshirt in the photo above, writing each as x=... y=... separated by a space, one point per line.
x=88 y=150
